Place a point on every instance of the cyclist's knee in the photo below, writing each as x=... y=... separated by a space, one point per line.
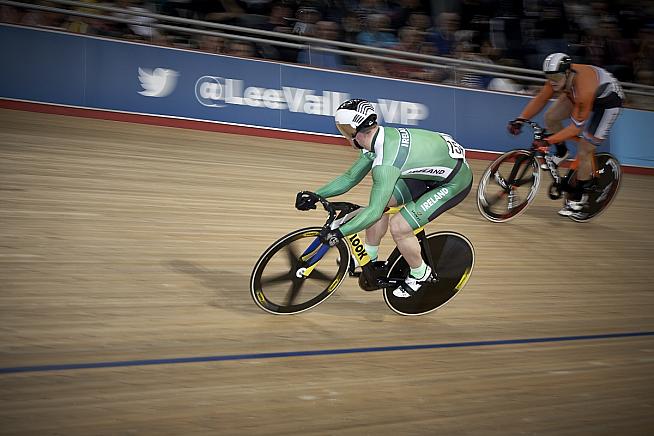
x=392 y=202
x=591 y=140
x=399 y=227
x=585 y=149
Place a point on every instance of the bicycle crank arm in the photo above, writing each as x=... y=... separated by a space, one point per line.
x=388 y=282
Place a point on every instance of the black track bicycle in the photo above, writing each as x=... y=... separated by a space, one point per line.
x=298 y=271
x=510 y=183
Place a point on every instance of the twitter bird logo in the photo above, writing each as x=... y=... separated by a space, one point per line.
x=158 y=83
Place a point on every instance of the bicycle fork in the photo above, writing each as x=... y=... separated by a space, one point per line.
x=515 y=179
x=553 y=170
x=317 y=250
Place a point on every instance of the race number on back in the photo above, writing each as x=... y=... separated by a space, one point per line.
x=454 y=148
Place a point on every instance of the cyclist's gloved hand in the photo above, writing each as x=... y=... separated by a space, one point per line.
x=515 y=126
x=330 y=237
x=305 y=200
x=540 y=141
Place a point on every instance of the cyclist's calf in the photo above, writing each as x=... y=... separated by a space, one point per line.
x=585 y=156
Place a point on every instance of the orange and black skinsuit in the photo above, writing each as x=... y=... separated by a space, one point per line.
x=592 y=100
x=593 y=92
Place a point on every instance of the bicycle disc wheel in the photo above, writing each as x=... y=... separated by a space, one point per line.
x=508 y=186
x=276 y=285
x=453 y=258
x=608 y=175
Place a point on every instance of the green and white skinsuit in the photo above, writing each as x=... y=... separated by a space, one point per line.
x=424 y=171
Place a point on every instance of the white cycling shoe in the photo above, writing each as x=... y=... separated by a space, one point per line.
x=556 y=160
x=412 y=285
x=571 y=207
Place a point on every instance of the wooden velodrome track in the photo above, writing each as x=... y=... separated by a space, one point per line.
x=125 y=255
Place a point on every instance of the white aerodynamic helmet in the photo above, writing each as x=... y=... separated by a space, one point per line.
x=354 y=115
x=557 y=63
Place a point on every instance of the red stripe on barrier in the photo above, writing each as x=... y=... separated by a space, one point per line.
x=209 y=126
x=167 y=122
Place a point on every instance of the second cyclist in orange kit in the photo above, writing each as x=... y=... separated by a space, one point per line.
x=592 y=98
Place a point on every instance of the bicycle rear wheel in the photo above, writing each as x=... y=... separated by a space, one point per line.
x=508 y=186
x=452 y=257
x=277 y=284
x=608 y=174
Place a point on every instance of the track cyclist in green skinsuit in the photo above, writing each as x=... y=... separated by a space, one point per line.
x=424 y=171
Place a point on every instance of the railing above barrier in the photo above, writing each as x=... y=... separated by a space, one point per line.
x=457 y=67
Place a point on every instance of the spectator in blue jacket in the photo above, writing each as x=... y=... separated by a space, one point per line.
x=377 y=32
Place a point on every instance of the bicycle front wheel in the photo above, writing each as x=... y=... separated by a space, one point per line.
x=277 y=284
x=452 y=257
x=508 y=186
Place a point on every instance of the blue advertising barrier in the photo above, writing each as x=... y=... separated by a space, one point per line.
x=65 y=69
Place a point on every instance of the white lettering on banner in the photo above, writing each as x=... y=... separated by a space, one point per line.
x=293 y=97
x=210 y=90
x=388 y=109
x=253 y=96
x=434 y=199
x=313 y=105
x=232 y=88
x=402 y=112
x=272 y=99
x=213 y=91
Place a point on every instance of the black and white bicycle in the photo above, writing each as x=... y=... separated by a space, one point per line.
x=510 y=183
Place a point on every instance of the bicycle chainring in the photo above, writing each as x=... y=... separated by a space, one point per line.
x=555 y=191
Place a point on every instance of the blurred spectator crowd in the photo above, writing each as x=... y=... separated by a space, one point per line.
x=615 y=34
